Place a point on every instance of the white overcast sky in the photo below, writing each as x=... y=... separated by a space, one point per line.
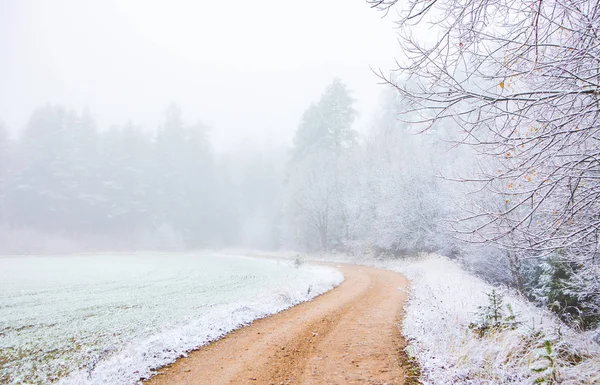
x=246 y=68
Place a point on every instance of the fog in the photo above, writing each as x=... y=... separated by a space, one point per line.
x=133 y=125
x=246 y=69
x=145 y=125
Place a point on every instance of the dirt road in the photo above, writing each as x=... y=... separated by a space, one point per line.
x=349 y=335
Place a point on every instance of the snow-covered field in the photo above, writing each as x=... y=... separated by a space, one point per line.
x=112 y=319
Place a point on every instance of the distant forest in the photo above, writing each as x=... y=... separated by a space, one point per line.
x=125 y=188
x=68 y=184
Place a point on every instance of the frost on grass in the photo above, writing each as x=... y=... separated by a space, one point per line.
x=115 y=319
x=455 y=336
x=532 y=347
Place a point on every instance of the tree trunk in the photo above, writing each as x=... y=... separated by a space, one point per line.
x=515 y=271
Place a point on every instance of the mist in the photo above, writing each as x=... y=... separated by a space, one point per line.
x=246 y=70
x=114 y=113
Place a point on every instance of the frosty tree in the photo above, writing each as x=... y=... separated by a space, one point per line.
x=314 y=208
x=326 y=126
x=522 y=81
x=395 y=201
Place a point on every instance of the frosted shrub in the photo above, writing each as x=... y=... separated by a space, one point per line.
x=494 y=315
x=298 y=260
x=479 y=340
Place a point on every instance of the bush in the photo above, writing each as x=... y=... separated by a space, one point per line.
x=298 y=260
x=494 y=316
x=565 y=289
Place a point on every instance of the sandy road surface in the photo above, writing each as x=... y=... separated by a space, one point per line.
x=349 y=335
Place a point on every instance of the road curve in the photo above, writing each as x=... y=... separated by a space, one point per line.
x=350 y=335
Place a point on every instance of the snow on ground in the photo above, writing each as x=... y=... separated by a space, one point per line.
x=444 y=299
x=112 y=319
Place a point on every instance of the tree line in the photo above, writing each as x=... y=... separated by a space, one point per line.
x=124 y=188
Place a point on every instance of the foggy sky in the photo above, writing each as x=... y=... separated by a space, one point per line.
x=248 y=69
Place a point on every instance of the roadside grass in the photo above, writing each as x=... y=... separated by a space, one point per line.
x=524 y=345
x=410 y=365
x=461 y=331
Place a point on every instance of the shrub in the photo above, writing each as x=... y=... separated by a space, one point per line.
x=494 y=316
x=298 y=260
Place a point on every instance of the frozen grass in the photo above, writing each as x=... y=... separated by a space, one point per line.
x=112 y=319
x=444 y=299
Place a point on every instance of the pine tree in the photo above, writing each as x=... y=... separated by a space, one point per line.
x=126 y=172
x=337 y=108
x=314 y=207
x=54 y=179
x=172 y=202
x=36 y=193
x=199 y=184
x=82 y=171
x=186 y=185
x=327 y=125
